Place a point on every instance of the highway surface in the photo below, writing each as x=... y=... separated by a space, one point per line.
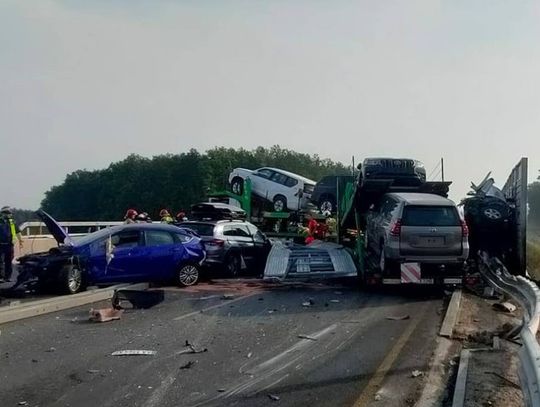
x=264 y=347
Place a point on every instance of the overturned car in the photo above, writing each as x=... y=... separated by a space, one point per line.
x=119 y=254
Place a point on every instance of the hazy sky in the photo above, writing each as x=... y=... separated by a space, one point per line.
x=84 y=83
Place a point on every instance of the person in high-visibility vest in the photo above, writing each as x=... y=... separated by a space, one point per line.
x=9 y=234
x=165 y=216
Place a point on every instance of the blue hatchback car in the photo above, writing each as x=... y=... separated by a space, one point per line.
x=120 y=254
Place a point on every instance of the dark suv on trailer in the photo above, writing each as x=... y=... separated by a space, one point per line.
x=403 y=171
x=325 y=193
x=232 y=244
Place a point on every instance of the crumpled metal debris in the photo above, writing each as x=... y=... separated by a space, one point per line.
x=105 y=314
x=504 y=307
x=273 y=397
x=191 y=349
x=311 y=338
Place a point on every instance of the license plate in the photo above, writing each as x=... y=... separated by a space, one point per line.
x=432 y=241
x=453 y=281
x=426 y=281
x=302 y=266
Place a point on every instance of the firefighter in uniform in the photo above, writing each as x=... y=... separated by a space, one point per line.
x=9 y=233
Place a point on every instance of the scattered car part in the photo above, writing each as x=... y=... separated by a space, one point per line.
x=317 y=260
x=105 y=314
x=134 y=353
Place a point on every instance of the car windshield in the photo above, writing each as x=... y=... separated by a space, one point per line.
x=430 y=216
x=202 y=229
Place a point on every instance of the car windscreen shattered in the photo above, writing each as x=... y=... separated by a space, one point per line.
x=430 y=216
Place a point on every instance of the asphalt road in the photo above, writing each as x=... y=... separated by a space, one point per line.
x=261 y=345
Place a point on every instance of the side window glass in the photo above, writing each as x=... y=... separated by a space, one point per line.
x=239 y=231
x=265 y=173
x=291 y=182
x=126 y=239
x=158 y=238
x=279 y=178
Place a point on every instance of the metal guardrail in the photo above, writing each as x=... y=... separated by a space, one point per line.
x=527 y=294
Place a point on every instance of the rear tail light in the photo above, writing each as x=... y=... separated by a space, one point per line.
x=215 y=243
x=395 y=230
x=464 y=228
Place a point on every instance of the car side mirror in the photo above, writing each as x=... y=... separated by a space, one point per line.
x=359 y=166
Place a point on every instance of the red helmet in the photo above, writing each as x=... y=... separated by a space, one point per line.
x=130 y=214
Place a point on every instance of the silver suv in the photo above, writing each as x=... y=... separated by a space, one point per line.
x=232 y=245
x=416 y=228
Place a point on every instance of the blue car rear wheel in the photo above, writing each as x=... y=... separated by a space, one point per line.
x=187 y=275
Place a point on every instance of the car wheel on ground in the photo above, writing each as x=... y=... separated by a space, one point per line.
x=71 y=279
x=237 y=186
x=233 y=265
x=280 y=203
x=187 y=275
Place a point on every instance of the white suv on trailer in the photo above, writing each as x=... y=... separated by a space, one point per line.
x=284 y=189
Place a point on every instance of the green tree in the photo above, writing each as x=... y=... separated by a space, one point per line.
x=171 y=181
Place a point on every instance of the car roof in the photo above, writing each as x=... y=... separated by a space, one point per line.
x=289 y=174
x=417 y=198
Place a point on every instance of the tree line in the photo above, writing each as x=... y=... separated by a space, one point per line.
x=172 y=181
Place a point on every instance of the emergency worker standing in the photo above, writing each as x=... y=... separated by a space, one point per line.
x=9 y=233
x=165 y=216
x=130 y=216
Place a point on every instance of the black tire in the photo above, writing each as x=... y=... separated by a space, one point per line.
x=280 y=203
x=237 y=186
x=187 y=275
x=71 y=279
x=233 y=265
x=327 y=203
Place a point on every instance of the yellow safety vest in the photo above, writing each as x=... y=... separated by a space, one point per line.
x=13 y=230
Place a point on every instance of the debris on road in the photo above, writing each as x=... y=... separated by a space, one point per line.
x=308 y=303
x=378 y=397
x=273 y=397
x=416 y=373
x=311 y=338
x=139 y=299
x=92 y=371
x=398 y=317
x=22 y=403
x=227 y=296
x=249 y=354
x=504 y=307
x=105 y=314
x=334 y=301
x=221 y=390
x=51 y=349
x=134 y=353
x=191 y=349
x=188 y=365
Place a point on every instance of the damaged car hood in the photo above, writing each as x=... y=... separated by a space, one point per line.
x=58 y=232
